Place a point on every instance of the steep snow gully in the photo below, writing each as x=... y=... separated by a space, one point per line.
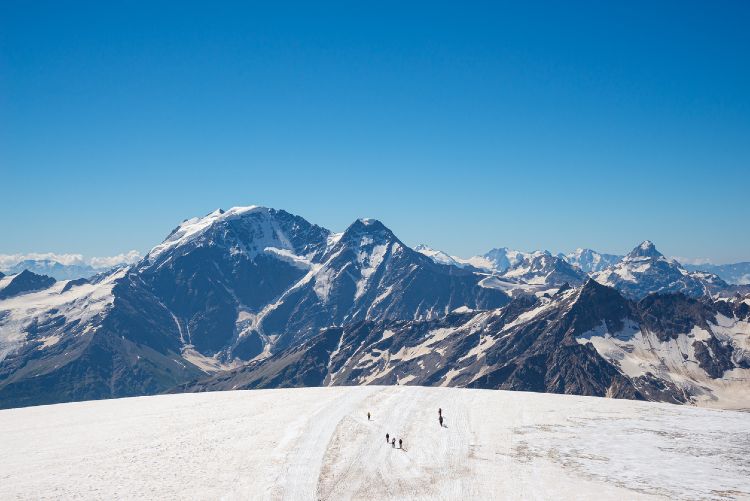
x=317 y=443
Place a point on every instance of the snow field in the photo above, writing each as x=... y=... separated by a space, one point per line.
x=316 y=443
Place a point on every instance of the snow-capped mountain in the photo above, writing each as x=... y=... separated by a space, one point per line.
x=736 y=273
x=502 y=258
x=220 y=290
x=542 y=268
x=23 y=282
x=589 y=260
x=254 y=287
x=645 y=270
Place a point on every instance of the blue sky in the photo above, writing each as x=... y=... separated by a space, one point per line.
x=552 y=125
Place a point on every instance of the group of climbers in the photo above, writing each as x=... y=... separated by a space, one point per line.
x=392 y=440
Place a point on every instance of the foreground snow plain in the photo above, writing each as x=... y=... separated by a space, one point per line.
x=316 y=443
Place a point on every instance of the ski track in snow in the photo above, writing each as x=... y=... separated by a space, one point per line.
x=316 y=443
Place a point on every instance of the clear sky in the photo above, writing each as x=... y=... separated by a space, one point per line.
x=547 y=125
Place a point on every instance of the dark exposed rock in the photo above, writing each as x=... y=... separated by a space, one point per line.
x=668 y=315
x=74 y=283
x=713 y=356
x=25 y=282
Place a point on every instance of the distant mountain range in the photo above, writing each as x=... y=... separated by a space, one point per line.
x=64 y=267
x=54 y=269
x=589 y=261
x=255 y=297
x=737 y=273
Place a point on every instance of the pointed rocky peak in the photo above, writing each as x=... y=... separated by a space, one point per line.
x=597 y=303
x=646 y=249
x=368 y=231
x=592 y=288
x=24 y=282
x=2 y=274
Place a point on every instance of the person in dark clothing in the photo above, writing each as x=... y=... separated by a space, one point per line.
x=393 y=442
x=368 y=416
x=440 y=419
x=400 y=443
x=387 y=439
x=440 y=411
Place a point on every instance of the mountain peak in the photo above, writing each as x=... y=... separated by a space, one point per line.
x=368 y=227
x=26 y=281
x=240 y=230
x=645 y=249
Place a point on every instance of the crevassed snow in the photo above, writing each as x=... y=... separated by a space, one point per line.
x=316 y=443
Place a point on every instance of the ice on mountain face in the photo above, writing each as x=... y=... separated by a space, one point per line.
x=77 y=305
x=369 y=263
x=289 y=257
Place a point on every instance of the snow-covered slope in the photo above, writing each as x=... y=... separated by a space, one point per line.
x=43 y=317
x=439 y=256
x=318 y=444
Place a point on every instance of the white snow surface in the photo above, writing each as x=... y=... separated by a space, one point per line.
x=80 y=303
x=316 y=443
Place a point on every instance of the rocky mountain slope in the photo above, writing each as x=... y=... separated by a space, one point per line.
x=587 y=341
x=219 y=291
x=258 y=297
